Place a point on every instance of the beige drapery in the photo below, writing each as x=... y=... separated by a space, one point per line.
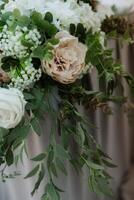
x=115 y=134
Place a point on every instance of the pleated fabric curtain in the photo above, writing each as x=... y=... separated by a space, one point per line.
x=114 y=133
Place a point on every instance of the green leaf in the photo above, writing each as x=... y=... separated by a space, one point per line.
x=95 y=166
x=53 y=41
x=53 y=169
x=3 y=132
x=33 y=172
x=40 y=157
x=45 y=197
x=103 y=187
x=36 y=126
x=9 y=157
x=23 y=21
x=16 y=13
x=80 y=136
x=38 y=52
x=50 y=157
x=19 y=133
x=27 y=43
x=9 y=62
x=39 y=21
x=72 y=29
x=44 y=52
x=48 y=56
x=51 y=30
x=6 y=16
x=39 y=180
x=92 y=183
x=50 y=189
x=108 y=163
x=49 y=17
x=61 y=152
x=61 y=166
x=80 y=32
x=28 y=96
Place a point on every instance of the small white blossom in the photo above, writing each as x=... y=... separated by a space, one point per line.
x=11 y=42
x=27 y=77
x=25 y=6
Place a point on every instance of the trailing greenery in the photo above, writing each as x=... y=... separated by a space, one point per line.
x=59 y=103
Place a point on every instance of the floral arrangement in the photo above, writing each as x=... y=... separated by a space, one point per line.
x=47 y=47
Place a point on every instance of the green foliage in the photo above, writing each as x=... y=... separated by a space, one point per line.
x=40 y=157
x=43 y=52
x=9 y=62
x=89 y=152
x=73 y=127
x=51 y=192
x=58 y=102
x=9 y=157
x=41 y=175
x=56 y=155
x=78 y=31
x=36 y=126
x=33 y=172
x=102 y=59
x=44 y=25
x=49 y=17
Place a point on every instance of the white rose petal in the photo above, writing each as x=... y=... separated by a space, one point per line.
x=12 y=107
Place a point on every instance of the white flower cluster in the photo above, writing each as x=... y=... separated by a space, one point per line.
x=33 y=36
x=26 y=78
x=11 y=42
x=25 y=6
x=88 y=17
x=64 y=12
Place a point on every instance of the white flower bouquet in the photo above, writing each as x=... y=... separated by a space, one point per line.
x=47 y=47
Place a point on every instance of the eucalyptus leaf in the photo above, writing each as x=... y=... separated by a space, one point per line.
x=39 y=180
x=50 y=189
x=39 y=157
x=33 y=172
x=94 y=165
x=53 y=169
x=9 y=157
x=36 y=126
x=61 y=152
x=61 y=166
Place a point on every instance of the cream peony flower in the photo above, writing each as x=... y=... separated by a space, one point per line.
x=12 y=107
x=68 y=62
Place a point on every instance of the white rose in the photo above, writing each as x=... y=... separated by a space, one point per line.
x=12 y=107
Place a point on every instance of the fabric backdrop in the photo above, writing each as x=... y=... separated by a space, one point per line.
x=115 y=134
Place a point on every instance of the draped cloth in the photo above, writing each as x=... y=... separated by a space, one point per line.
x=114 y=133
